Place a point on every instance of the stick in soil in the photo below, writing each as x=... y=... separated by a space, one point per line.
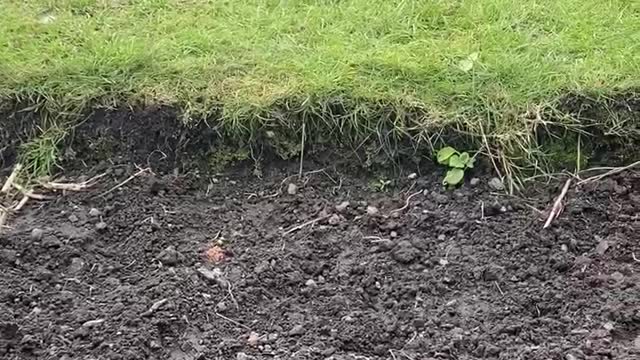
x=21 y=204
x=156 y=305
x=406 y=205
x=232 y=321
x=30 y=193
x=72 y=186
x=609 y=173
x=11 y=178
x=557 y=205
x=140 y=172
x=298 y=227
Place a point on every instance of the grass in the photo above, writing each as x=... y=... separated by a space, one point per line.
x=247 y=59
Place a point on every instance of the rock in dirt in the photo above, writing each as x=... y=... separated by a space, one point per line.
x=636 y=343
x=311 y=283
x=342 y=207
x=95 y=212
x=215 y=276
x=602 y=246
x=439 y=198
x=412 y=176
x=491 y=350
x=253 y=339
x=292 y=189
x=372 y=211
x=335 y=219
x=405 y=252
x=92 y=323
x=8 y=256
x=297 y=330
x=36 y=234
x=474 y=182
x=101 y=226
x=76 y=266
x=243 y=356
x=496 y=184
x=73 y=218
x=170 y=256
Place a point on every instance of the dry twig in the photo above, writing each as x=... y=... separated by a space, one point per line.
x=51 y=185
x=557 y=205
x=232 y=321
x=11 y=178
x=140 y=172
x=406 y=205
x=613 y=171
x=310 y=222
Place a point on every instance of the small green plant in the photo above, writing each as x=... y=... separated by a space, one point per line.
x=380 y=185
x=457 y=163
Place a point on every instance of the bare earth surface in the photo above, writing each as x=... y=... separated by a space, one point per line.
x=172 y=267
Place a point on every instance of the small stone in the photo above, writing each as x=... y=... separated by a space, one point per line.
x=51 y=241
x=272 y=337
x=564 y=247
x=342 y=207
x=412 y=176
x=442 y=237
x=491 y=350
x=334 y=219
x=95 y=212
x=36 y=234
x=602 y=246
x=636 y=342
x=292 y=189
x=608 y=326
x=92 y=323
x=170 y=256
x=405 y=252
x=496 y=184
x=253 y=339
x=617 y=277
x=243 y=356
x=474 y=182
x=311 y=283
x=101 y=226
x=443 y=262
x=221 y=306
x=393 y=234
x=372 y=210
x=8 y=256
x=76 y=266
x=153 y=344
x=439 y=198
x=297 y=330
x=73 y=218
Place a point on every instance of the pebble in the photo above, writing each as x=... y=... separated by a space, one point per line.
x=36 y=234
x=272 y=337
x=8 y=256
x=297 y=330
x=311 y=283
x=73 y=218
x=170 y=256
x=101 y=226
x=496 y=184
x=253 y=339
x=474 y=182
x=292 y=189
x=636 y=342
x=95 y=212
x=491 y=350
x=372 y=210
x=442 y=237
x=602 y=246
x=243 y=356
x=617 y=276
x=221 y=306
x=412 y=176
x=154 y=344
x=393 y=234
x=405 y=252
x=342 y=207
x=334 y=219
x=76 y=266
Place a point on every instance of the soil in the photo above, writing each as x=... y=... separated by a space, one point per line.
x=178 y=265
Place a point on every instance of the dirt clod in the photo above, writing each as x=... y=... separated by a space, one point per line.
x=372 y=210
x=101 y=226
x=297 y=330
x=342 y=207
x=170 y=256
x=496 y=184
x=335 y=219
x=292 y=189
x=405 y=252
x=36 y=234
x=95 y=212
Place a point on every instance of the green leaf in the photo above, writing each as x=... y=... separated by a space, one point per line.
x=454 y=162
x=464 y=158
x=465 y=65
x=453 y=177
x=444 y=154
x=471 y=162
x=473 y=56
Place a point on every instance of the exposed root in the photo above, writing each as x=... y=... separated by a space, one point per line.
x=406 y=205
x=613 y=171
x=140 y=172
x=557 y=205
x=311 y=222
x=85 y=185
x=10 y=180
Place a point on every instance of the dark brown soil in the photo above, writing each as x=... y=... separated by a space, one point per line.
x=181 y=266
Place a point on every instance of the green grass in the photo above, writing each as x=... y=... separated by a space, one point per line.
x=250 y=57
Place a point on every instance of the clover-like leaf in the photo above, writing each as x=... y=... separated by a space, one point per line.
x=471 y=162
x=453 y=177
x=455 y=162
x=444 y=154
x=464 y=158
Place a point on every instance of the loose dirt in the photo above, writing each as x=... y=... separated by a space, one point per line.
x=182 y=266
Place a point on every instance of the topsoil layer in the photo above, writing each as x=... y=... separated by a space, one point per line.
x=186 y=267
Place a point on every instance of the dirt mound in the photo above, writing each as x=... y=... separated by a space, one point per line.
x=179 y=267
